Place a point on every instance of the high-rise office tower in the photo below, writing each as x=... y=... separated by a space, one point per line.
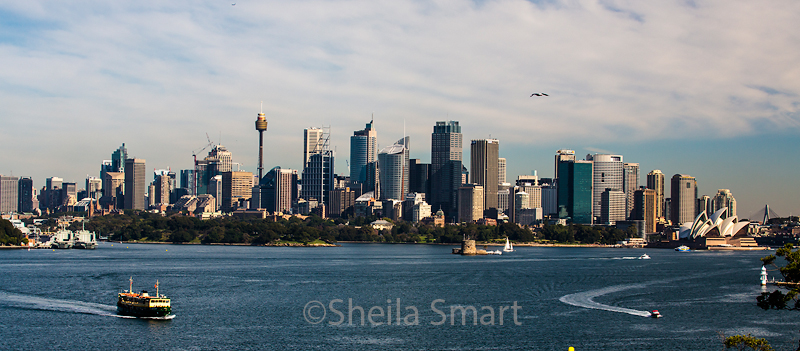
x=363 y=151
x=223 y=157
x=113 y=190
x=655 y=181
x=501 y=170
x=612 y=206
x=563 y=155
x=236 y=187
x=644 y=208
x=484 y=155
x=470 y=203
x=341 y=200
x=419 y=177
x=215 y=190
x=704 y=204
x=118 y=158
x=279 y=190
x=52 y=193
x=608 y=174
x=9 y=194
x=575 y=195
x=312 y=142
x=162 y=189
x=446 y=167
x=25 y=195
x=135 y=184
x=318 y=174
x=631 y=184
x=683 y=195
x=69 y=193
x=724 y=198
x=394 y=169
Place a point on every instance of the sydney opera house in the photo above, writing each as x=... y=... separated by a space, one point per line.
x=717 y=231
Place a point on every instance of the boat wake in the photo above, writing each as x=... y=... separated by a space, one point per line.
x=585 y=299
x=46 y=304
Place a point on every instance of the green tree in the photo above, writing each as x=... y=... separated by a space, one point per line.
x=746 y=342
x=791 y=275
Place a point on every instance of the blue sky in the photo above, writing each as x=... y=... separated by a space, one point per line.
x=706 y=88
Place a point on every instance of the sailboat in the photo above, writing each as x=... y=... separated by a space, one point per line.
x=509 y=247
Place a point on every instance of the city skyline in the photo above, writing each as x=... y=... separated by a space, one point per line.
x=657 y=84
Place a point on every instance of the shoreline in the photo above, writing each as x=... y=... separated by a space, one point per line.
x=278 y=244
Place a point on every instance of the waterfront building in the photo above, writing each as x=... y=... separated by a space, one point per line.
x=501 y=170
x=237 y=187
x=683 y=195
x=575 y=195
x=484 y=155
x=446 y=167
x=363 y=151
x=608 y=174
x=470 y=203
x=134 y=184
x=9 y=194
x=724 y=198
x=278 y=190
x=562 y=156
x=630 y=185
x=312 y=142
x=612 y=206
x=393 y=164
x=655 y=181
x=26 y=195
x=419 y=211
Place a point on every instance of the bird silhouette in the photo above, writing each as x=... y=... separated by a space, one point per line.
x=535 y=94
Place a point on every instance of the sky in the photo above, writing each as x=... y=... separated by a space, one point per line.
x=705 y=88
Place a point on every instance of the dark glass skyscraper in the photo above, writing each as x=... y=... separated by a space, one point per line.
x=446 y=158
x=575 y=191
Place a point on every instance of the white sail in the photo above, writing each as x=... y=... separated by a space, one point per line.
x=508 y=247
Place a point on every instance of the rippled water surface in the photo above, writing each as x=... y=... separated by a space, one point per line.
x=230 y=297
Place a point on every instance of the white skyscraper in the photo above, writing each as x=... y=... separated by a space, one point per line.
x=607 y=174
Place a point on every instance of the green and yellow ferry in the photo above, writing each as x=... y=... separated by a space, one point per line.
x=143 y=305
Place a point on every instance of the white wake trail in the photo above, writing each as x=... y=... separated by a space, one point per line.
x=585 y=299
x=47 y=304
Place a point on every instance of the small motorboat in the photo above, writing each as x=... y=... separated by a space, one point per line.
x=495 y=252
x=655 y=314
x=682 y=248
x=644 y=257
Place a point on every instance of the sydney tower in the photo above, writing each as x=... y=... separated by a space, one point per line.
x=261 y=126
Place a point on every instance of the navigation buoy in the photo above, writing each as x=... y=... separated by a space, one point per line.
x=763 y=275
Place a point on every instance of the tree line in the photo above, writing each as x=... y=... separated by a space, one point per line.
x=130 y=226
x=9 y=235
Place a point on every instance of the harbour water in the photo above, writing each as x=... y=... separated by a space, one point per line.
x=240 y=298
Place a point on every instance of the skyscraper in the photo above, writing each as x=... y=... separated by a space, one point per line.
x=236 y=186
x=25 y=195
x=470 y=203
x=52 y=193
x=312 y=142
x=9 y=194
x=645 y=208
x=612 y=206
x=655 y=181
x=223 y=157
x=94 y=187
x=363 y=150
x=394 y=169
x=446 y=158
x=608 y=174
x=683 y=196
x=501 y=170
x=724 y=198
x=135 y=184
x=419 y=177
x=563 y=155
x=484 y=163
x=631 y=184
x=318 y=173
x=279 y=190
x=575 y=191
x=118 y=158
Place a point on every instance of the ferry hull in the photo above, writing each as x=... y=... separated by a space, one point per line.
x=136 y=311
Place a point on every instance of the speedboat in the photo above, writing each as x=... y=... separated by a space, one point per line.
x=644 y=257
x=682 y=248
x=655 y=314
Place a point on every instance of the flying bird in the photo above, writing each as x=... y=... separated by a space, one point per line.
x=539 y=94
x=234 y=4
x=545 y=94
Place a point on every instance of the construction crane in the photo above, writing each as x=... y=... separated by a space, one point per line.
x=194 y=155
